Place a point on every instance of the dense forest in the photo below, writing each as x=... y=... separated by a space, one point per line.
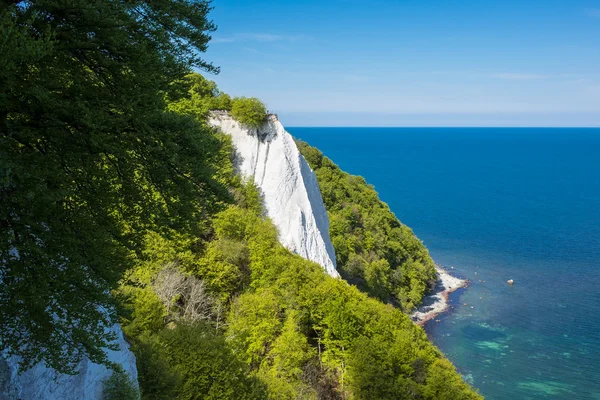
x=374 y=250
x=119 y=204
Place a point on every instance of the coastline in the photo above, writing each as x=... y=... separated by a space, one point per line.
x=437 y=302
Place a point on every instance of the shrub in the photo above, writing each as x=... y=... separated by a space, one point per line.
x=221 y=102
x=208 y=369
x=249 y=111
x=158 y=379
x=120 y=387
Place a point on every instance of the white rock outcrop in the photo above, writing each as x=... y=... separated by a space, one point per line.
x=291 y=194
x=42 y=383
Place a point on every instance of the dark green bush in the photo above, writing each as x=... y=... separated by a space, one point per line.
x=208 y=368
x=120 y=387
x=157 y=377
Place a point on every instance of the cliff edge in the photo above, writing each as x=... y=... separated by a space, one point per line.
x=291 y=194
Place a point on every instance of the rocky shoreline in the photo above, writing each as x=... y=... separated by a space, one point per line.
x=437 y=302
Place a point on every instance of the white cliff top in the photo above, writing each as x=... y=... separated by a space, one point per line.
x=291 y=194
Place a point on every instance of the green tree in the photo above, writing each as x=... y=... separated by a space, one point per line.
x=203 y=96
x=249 y=111
x=209 y=370
x=222 y=102
x=218 y=267
x=90 y=159
x=443 y=383
x=254 y=324
x=377 y=277
x=119 y=386
x=148 y=312
x=287 y=360
x=157 y=377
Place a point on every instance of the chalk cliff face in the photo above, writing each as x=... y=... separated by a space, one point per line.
x=44 y=383
x=292 y=198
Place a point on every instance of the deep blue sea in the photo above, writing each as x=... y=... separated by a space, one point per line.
x=499 y=204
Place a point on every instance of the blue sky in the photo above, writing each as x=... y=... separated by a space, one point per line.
x=413 y=63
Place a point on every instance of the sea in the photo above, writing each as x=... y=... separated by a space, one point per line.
x=493 y=204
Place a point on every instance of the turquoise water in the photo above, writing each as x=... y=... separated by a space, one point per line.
x=499 y=204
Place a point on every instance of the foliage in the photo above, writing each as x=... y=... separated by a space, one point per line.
x=254 y=324
x=148 y=312
x=208 y=368
x=249 y=111
x=289 y=357
x=202 y=97
x=119 y=386
x=90 y=159
x=158 y=379
x=295 y=317
x=374 y=250
x=443 y=382
x=291 y=330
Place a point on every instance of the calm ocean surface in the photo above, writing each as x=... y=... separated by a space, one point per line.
x=499 y=204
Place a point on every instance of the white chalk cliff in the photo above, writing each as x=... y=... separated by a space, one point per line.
x=42 y=383
x=291 y=194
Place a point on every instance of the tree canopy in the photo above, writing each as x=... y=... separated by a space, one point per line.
x=295 y=331
x=90 y=158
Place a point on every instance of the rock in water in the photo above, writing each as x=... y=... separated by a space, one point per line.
x=291 y=194
x=45 y=383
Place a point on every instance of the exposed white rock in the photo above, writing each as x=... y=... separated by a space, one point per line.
x=289 y=187
x=42 y=383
